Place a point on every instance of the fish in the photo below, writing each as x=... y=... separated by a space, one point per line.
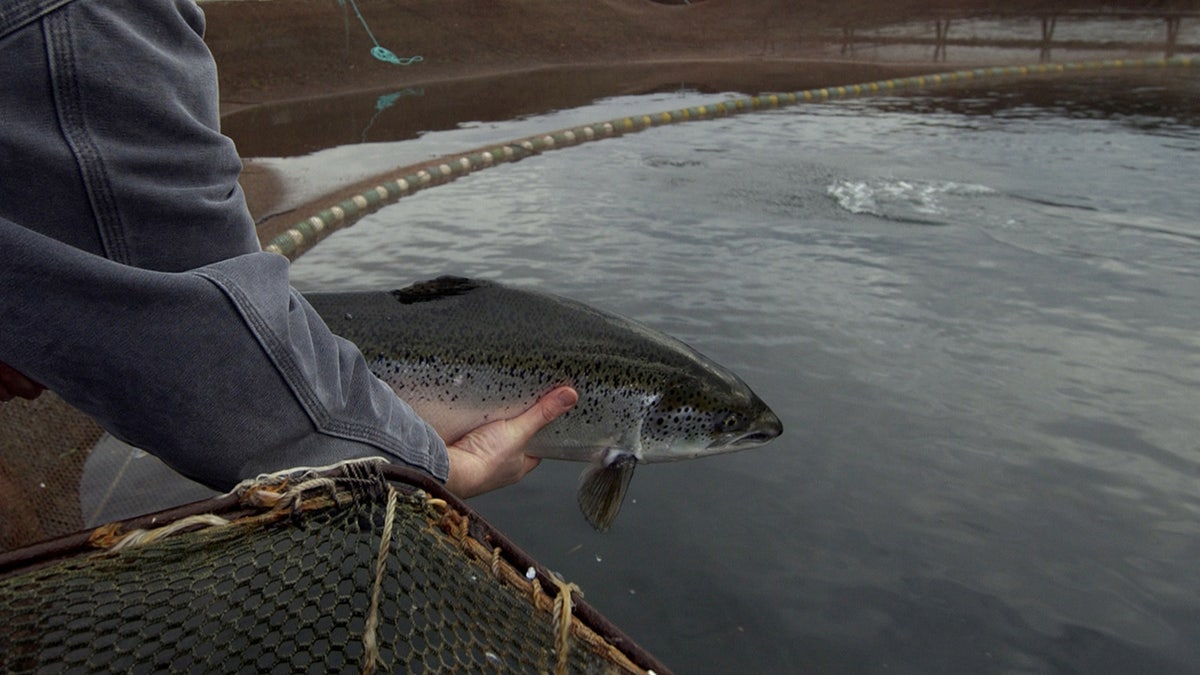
x=461 y=352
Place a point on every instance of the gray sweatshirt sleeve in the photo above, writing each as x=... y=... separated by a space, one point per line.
x=223 y=372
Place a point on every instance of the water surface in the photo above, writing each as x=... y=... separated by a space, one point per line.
x=976 y=314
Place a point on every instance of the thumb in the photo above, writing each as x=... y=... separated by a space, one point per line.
x=548 y=408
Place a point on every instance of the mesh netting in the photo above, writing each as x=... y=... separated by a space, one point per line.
x=316 y=579
x=43 y=446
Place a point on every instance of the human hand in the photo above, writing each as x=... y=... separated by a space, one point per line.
x=492 y=456
x=13 y=383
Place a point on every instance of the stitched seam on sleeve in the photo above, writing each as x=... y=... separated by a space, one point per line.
x=279 y=355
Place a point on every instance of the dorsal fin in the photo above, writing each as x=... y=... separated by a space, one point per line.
x=435 y=289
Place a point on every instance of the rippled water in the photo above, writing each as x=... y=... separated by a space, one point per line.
x=977 y=316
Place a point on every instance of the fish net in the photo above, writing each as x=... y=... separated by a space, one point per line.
x=362 y=568
x=44 y=445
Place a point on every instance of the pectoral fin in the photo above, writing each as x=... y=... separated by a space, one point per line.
x=602 y=490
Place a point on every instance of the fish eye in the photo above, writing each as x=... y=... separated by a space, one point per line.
x=729 y=421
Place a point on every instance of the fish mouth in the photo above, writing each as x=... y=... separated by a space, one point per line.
x=766 y=429
x=757 y=438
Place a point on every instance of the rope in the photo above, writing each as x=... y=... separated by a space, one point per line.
x=385 y=101
x=379 y=51
x=562 y=622
x=306 y=233
x=496 y=562
x=454 y=525
x=107 y=537
x=285 y=492
x=371 y=656
x=268 y=489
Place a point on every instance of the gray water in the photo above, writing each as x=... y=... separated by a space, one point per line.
x=977 y=316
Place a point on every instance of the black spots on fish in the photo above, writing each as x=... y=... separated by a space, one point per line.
x=685 y=418
x=690 y=396
x=623 y=372
x=682 y=417
x=690 y=408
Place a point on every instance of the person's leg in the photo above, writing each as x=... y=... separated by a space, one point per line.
x=111 y=140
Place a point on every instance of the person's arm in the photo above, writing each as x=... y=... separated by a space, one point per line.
x=223 y=372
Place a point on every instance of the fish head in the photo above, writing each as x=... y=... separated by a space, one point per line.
x=706 y=413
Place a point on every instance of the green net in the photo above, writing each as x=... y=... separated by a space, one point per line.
x=317 y=574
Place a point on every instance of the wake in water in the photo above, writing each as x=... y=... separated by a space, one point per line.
x=908 y=201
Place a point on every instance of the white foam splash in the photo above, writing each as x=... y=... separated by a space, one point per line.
x=900 y=199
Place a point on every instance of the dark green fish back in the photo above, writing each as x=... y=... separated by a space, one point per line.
x=477 y=322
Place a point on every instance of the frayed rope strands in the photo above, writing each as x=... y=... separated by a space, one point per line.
x=280 y=504
x=283 y=494
x=111 y=538
x=303 y=235
x=360 y=478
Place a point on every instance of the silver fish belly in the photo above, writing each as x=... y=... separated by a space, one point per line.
x=462 y=352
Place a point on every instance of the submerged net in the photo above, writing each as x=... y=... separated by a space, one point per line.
x=43 y=446
x=317 y=573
